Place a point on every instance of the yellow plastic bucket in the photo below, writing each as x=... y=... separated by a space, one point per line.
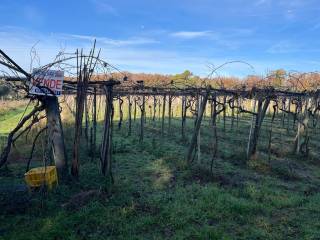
x=39 y=176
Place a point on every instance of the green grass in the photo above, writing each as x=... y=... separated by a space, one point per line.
x=157 y=196
x=10 y=119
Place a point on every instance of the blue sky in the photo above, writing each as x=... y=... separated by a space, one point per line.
x=169 y=36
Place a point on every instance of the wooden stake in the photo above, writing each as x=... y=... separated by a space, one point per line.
x=163 y=114
x=197 y=128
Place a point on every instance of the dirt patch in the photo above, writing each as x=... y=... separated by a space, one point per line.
x=204 y=176
x=289 y=171
x=81 y=199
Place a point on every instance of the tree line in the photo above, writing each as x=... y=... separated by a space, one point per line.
x=279 y=79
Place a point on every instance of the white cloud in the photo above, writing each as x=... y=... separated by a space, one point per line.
x=114 y=42
x=126 y=54
x=230 y=39
x=191 y=34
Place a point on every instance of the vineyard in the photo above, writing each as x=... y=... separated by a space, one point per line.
x=172 y=161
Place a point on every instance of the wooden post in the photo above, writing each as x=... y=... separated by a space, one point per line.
x=154 y=108
x=253 y=107
x=55 y=132
x=86 y=117
x=224 y=112
x=238 y=105
x=159 y=110
x=129 y=115
x=83 y=80
x=135 y=110
x=270 y=135
x=211 y=111
x=214 y=114
x=169 y=111
x=254 y=136
x=142 y=109
x=199 y=138
x=145 y=113
x=183 y=117
x=106 y=146
x=232 y=115
x=94 y=123
x=120 y=113
x=197 y=128
x=296 y=111
x=288 y=115
x=196 y=109
x=284 y=106
x=150 y=113
x=163 y=114
x=303 y=121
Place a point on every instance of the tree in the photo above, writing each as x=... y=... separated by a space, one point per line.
x=278 y=78
x=4 y=90
x=182 y=79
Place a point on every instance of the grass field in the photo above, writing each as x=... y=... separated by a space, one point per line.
x=10 y=113
x=156 y=195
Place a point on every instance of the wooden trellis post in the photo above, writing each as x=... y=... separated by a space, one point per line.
x=183 y=117
x=150 y=113
x=288 y=115
x=56 y=137
x=214 y=130
x=302 y=137
x=120 y=113
x=215 y=113
x=142 y=121
x=238 y=113
x=163 y=114
x=82 y=85
x=255 y=131
x=197 y=129
x=224 y=112
x=199 y=132
x=169 y=111
x=86 y=117
x=232 y=115
x=135 y=110
x=270 y=133
x=106 y=145
x=129 y=116
x=159 y=109
x=94 y=125
x=154 y=108
x=284 y=106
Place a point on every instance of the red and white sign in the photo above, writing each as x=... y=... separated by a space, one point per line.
x=48 y=82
